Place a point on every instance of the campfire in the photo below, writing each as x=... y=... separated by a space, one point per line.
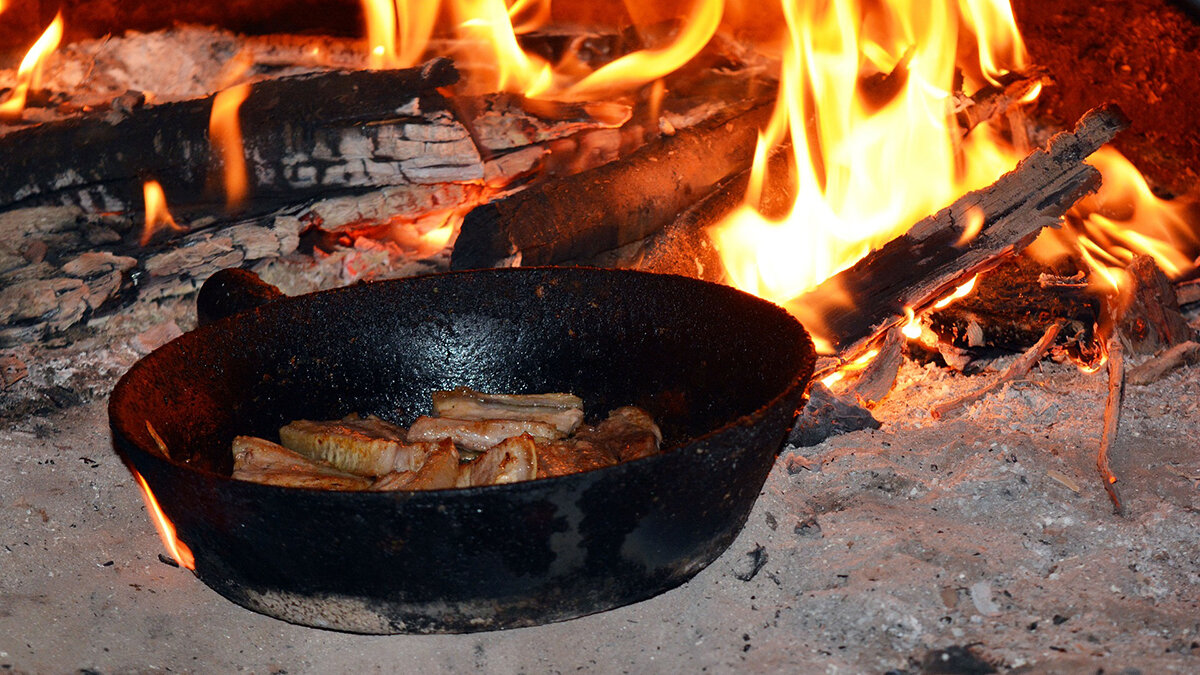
x=905 y=180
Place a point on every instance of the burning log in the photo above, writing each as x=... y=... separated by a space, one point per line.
x=917 y=268
x=303 y=137
x=610 y=206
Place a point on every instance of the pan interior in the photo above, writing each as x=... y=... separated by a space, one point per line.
x=696 y=355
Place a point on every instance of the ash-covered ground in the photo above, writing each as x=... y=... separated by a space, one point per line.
x=983 y=540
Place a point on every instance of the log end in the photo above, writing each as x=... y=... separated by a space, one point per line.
x=481 y=241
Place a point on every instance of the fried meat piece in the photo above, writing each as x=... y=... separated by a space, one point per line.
x=478 y=435
x=442 y=469
x=628 y=433
x=513 y=460
x=261 y=461
x=564 y=411
x=363 y=446
x=571 y=455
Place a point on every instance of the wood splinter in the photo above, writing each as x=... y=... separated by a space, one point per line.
x=1183 y=354
x=1017 y=368
x=1112 y=420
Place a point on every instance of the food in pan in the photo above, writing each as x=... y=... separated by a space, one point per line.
x=471 y=439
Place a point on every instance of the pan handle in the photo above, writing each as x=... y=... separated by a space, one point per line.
x=232 y=291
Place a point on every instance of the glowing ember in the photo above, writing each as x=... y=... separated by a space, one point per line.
x=30 y=70
x=225 y=132
x=865 y=169
x=166 y=530
x=157 y=214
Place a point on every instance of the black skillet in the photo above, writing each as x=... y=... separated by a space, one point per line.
x=722 y=371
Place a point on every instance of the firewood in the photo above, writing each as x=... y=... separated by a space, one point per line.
x=1018 y=368
x=923 y=265
x=1112 y=421
x=1148 y=313
x=1188 y=292
x=1182 y=354
x=994 y=101
x=304 y=137
x=599 y=210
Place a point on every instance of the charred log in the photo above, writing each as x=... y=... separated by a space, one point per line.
x=338 y=130
x=1149 y=318
x=1011 y=306
x=613 y=205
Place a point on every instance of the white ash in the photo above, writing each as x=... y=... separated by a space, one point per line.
x=892 y=547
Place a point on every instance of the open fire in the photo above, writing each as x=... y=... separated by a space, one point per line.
x=865 y=138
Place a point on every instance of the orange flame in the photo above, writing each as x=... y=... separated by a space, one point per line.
x=398 y=33
x=973 y=226
x=867 y=165
x=157 y=214
x=487 y=22
x=854 y=366
x=961 y=291
x=225 y=133
x=30 y=71
x=647 y=65
x=166 y=529
x=529 y=15
x=1122 y=220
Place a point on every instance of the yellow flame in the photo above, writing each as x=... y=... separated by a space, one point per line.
x=157 y=214
x=225 y=134
x=398 y=31
x=166 y=529
x=997 y=38
x=529 y=15
x=912 y=327
x=1033 y=93
x=865 y=169
x=30 y=71
x=973 y=226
